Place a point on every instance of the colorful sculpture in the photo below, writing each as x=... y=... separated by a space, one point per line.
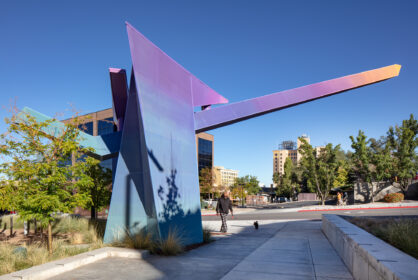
x=156 y=186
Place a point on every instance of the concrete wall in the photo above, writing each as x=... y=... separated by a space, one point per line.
x=366 y=256
x=307 y=197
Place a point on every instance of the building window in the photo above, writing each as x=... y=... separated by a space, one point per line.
x=205 y=153
x=86 y=127
x=105 y=126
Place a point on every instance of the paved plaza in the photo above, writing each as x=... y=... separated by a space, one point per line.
x=280 y=249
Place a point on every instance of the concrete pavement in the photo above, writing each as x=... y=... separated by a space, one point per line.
x=280 y=249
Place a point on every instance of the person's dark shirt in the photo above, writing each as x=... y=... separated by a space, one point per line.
x=224 y=205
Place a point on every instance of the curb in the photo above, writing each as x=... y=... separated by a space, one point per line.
x=57 y=267
x=366 y=256
x=358 y=208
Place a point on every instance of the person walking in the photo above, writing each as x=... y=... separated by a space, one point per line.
x=222 y=208
x=339 y=200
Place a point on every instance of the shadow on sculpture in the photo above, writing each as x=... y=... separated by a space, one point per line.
x=172 y=215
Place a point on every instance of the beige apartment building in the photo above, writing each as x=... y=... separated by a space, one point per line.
x=289 y=149
x=225 y=177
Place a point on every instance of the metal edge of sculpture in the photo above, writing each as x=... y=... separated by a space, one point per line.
x=155 y=176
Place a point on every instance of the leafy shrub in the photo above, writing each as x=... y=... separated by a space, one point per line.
x=394 y=197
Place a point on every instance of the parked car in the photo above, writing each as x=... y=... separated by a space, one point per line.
x=282 y=199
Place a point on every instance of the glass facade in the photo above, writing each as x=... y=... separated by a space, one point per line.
x=107 y=163
x=205 y=153
x=105 y=126
x=86 y=127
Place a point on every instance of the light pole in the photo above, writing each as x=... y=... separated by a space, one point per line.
x=242 y=195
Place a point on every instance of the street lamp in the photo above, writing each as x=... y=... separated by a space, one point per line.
x=242 y=195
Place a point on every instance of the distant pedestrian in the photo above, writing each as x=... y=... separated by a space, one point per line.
x=339 y=199
x=222 y=208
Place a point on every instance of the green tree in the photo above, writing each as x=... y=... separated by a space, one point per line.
x=206 y=180
x=342 y=175
x=7 y=201
x=288 y=183
x=403 y=142
x=382 y=161
x=245 y=185
x=362 y=161
x=37 y=165
x=101 y=189
x=320 y=169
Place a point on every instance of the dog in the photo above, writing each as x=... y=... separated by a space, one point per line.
x=256 y=225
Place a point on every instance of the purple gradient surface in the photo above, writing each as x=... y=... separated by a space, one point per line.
x=239 y=111
x=119 y=88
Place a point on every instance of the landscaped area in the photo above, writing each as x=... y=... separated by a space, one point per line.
x=72 y=236
x=400 y=232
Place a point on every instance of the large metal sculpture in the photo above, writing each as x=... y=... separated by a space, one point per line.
x=156 y=187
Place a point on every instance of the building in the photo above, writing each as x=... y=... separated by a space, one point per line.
x=225 y=177
x=205 y=150
x=101 y=122
x=286 y=149
x=97 y=123
x=289 y=149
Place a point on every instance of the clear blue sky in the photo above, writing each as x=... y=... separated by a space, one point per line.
x=53 y=53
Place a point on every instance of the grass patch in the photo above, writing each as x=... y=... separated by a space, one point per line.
x=79 y=230
x=207 y=235
x=138 y=240
x=35 y=254
x=67 y=231
x=171 y=246
x=5 y=222
x=401 y=233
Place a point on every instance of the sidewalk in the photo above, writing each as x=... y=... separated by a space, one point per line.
x=376 y=205
x=278 y=250
x=237 y=210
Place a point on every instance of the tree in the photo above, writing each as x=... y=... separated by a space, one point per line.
x=206 y=180
x=37 y=165
x=382 y=161
x=362 y=161
x=7 y=201
x=245 y=185
x=403 y=142
x=321 y=170
x=288 y=183
x=342 y=175
x=100 y=191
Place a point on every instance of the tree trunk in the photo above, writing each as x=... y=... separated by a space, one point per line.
x=93 y=213
x=372 y=191
x=50 y=238
x=36 y=226
x=11 y=225
x=25 y=228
